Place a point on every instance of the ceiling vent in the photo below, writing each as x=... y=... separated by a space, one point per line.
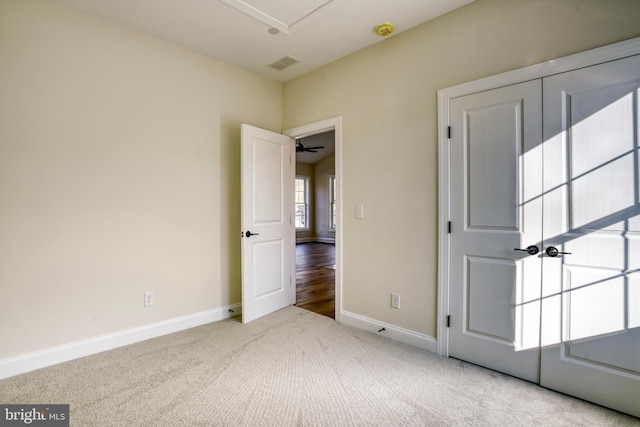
x=284 y=62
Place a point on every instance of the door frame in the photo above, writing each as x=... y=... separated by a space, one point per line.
x=328 y=125
x=537 y=71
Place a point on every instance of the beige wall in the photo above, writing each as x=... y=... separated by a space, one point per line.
x=119 y=173
x=321 y=172
x=386 y=95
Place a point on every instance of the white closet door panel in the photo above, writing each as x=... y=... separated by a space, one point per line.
x=497 y=183
x=590 y=325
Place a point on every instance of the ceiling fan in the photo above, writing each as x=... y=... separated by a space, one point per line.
x=301 y=148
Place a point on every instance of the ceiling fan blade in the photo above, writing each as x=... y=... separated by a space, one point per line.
x=301 y=148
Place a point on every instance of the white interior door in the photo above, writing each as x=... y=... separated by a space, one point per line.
x=591 y=305
x=496 y=208
x=266 y=222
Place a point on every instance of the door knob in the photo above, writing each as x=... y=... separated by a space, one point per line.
x=552 y=251
x=249 y=234
x=531 y=250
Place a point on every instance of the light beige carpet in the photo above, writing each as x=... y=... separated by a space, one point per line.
x=292 y=368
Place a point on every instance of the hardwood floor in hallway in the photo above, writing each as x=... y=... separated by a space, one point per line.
x=315 y=277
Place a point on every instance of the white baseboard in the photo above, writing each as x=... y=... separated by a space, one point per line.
x=75 y=350
x=325 y=240
x=316 y=239
x=397 y=333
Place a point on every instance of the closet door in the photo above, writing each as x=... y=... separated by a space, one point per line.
x=590 y=330
x=496 y=210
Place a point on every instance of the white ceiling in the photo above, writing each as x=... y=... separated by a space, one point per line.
x=326 y=140
x=315 y=32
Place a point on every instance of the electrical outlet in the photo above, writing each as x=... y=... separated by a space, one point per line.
x=149 y=298
x=395 y=300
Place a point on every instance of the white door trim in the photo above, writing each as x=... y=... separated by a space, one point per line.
x=545 y=69
x=332 y=124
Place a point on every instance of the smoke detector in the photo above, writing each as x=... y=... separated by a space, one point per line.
x=384 y=29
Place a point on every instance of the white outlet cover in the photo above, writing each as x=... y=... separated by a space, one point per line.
x=395 y=300
x=149 y=298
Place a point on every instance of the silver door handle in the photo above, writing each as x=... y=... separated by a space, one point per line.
x=552 y=251
x=531 y=250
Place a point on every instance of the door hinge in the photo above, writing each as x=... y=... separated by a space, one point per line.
x=448 y=320
x=449 y=227
x=449 y=132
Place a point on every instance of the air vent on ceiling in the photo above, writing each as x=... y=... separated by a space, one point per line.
x=284 y=62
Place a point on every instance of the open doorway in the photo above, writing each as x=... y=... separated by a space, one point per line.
x=317 y=217
x=315 y=220
x=315 y=277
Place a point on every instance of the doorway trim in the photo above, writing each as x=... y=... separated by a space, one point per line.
x=328 y=125
x=545 y=69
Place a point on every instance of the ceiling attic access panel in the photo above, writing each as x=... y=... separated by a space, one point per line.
x=280 y=14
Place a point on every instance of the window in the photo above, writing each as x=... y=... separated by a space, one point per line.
x=332 y=203
x=302 y=202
